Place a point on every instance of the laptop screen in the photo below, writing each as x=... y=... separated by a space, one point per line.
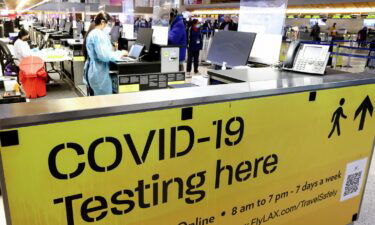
x=136 y=51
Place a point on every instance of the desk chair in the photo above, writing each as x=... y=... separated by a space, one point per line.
x=7 y=60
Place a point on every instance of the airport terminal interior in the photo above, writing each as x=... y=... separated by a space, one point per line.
x=187 y=112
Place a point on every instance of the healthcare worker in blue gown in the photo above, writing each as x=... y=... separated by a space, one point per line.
x=98 y=51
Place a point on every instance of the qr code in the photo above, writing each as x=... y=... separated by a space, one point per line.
x=354 y=176
x=352 y=183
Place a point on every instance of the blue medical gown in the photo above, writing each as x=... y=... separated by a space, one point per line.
x=100 y=53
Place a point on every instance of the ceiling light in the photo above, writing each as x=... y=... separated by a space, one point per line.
x=33 y=6
x=21 y=4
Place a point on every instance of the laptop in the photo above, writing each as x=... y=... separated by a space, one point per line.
x=134 y=54
x=44 y=42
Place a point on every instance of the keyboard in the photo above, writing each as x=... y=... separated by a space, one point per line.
x=127 y=59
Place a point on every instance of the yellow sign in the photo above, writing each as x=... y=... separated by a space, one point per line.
x=176 y=82
x=129 y=88
x=79 y=58
x=290 y=159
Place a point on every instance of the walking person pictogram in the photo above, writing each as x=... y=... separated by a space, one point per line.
x=336 y=119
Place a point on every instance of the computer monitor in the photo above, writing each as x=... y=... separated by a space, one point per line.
x=79 y=27
x=145 y=37
x=266 y=49
x=231 y=47
x=61 y=24
x=46 y=37
x=136 y=51
x=68 y=27
x=115 y=34
x=44 y=42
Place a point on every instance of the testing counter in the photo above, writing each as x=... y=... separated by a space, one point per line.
x=13 y=98
x=246 y=74
x=73 y=69
x=212 y=153
x=143 y=76
x=127 y=76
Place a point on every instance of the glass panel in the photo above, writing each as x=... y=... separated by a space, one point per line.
x=160 y=21
x=127 y=18
x=267 y=20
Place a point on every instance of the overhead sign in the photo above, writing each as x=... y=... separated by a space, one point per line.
x=291 y=159
x=337 y=16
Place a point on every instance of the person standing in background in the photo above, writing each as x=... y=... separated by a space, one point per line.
x=333 y=32
x=143 y=23
x=211 y=28
x=215 y=27
x=207 y=27
x=177 y=33
x=362 y=37
x=228 y=24
x=315 y=32
x=136 y=24
x=333 y=36
x=194 y=46
x=17 y=22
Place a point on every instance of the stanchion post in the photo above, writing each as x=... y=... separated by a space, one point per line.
x=336 y=53
x=348 y=64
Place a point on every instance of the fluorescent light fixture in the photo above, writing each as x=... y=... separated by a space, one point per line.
x=31 y=7
x=21 y=4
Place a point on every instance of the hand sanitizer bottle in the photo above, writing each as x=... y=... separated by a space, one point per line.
x=224 y=67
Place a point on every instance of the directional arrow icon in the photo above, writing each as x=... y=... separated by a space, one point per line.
x=365 y=107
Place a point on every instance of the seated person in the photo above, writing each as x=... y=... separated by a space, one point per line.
x=21 y=47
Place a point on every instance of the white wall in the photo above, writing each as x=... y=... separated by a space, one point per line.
x=352 y=25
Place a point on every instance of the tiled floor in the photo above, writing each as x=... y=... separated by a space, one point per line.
x=367 y=214
x=58 y=90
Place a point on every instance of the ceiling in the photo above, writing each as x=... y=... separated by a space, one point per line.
x=12 y=4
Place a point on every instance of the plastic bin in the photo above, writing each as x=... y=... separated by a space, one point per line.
x=33 y=77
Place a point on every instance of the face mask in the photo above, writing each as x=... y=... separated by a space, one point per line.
x=107 y=29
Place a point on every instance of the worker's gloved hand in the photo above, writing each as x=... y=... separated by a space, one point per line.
x=124 y=53
x=121 y=54
x=115 y=45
